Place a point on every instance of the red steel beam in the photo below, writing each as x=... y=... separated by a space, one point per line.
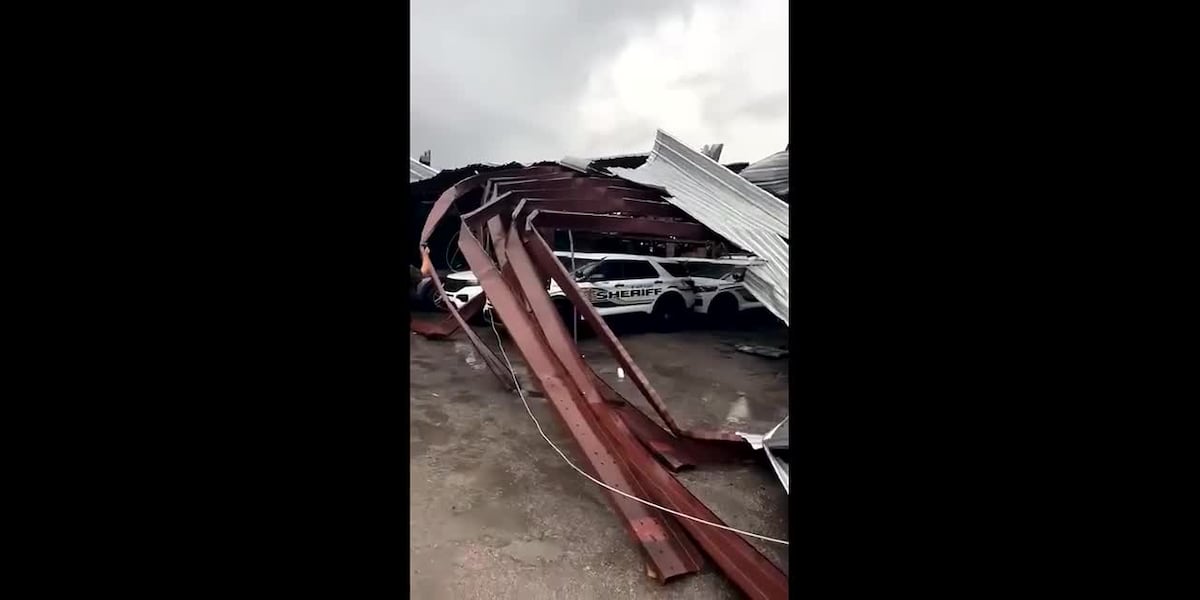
x=449 y=324
x=559 y=341
x=542 y=254
x=756 y=575
x=627 y=225
x=489 y=357
x=647 y=527
x=462 y=188
x=677 y=452
x=520 y=298
x=588 y=198
x=441 y=206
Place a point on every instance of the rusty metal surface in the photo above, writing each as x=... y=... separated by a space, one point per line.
x=460 y=189
x=670 y=553
x=493 y=362
x=743 y=563
x=542 y=253
x=619 y=444
x=448 y=325
x=632 y=226
x=678 y=453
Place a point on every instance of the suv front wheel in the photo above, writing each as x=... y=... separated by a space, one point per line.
x=669 y=312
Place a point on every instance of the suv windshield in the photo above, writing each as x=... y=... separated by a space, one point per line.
x=580 y=264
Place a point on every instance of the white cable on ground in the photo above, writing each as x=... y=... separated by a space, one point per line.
x=597 y=481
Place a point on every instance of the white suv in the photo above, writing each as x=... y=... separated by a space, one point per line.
x=460 y=288
x=621 y=284
x=463 y=286
x=719 y=288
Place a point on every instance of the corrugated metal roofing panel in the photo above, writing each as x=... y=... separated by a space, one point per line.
x=776 y=439
x=770 y=173
x=729 y=205
x=418 y=170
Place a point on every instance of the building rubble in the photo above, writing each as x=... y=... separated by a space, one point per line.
x=504 y=222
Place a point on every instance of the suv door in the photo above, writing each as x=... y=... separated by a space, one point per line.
x=641 y=285
x=679 y=277
x=600 y=282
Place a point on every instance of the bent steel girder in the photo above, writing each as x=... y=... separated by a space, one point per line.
x=571 y=201
x=462 y=188
x=489 y=357
x=753 y=572
x=635 y=226
x=540 y=252
x=670 y=554
x=458 y=318
x=618 y=442
x=605 y=194
x=678 y=452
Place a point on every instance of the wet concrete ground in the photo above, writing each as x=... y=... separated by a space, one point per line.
x=496 y=513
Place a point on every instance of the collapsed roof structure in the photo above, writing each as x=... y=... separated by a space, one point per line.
x=418 y=170
x=770 y=174
x=735 y=208
x=506 y=221
x=505 y=242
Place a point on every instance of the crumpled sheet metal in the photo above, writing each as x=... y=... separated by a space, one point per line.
x=418 y=171
x=770 y=173
x=776 y=439
x=728 y=204
x=605 y=433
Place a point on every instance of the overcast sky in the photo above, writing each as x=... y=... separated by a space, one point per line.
x=505 y=80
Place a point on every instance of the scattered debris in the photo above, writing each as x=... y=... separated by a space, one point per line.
x=731 y=206
x=712 y=151
x=420 y=169
x=765 y=351
x=776 y=439
x=504 y=241
x=770 y=174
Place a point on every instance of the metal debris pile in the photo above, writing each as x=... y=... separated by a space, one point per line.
x=732 y=206
x=506 y=240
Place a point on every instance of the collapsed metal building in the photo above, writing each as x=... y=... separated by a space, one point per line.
x=504 y=221
x=427 y=183
x=737 y=209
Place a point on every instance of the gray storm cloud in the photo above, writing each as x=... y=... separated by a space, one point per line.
x=503 y=80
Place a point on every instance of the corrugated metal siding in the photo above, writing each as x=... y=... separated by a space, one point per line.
x=729 y=205
x=418 y=170
x=770 y=173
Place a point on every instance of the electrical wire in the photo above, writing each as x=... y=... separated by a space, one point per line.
x=521 y=392
x=457 y=252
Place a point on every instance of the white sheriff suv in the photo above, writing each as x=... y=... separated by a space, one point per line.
x=719 y=288
x=623 y=284
x=616 y=284
x=463 y=286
